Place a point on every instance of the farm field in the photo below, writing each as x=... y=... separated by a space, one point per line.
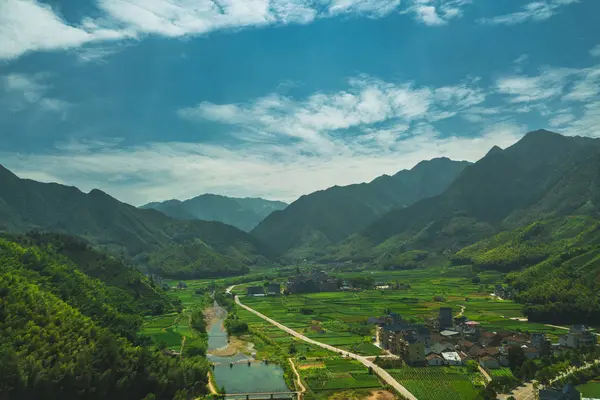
x=170 y=329
x=500 y=372
x=338 y=318
x=439 y=383
x=325 y=377
x=167 y=329
x=590 y=390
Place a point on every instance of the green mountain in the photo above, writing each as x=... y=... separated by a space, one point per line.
x=68 y=329
x=143 y=235
x=553 y=263
x=326 y=217
x=243 y=213
x=543 y=175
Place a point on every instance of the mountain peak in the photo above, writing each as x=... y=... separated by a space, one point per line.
x=494 y=150
x=542 y=135
x=5 y=172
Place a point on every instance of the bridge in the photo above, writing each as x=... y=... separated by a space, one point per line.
x=267 y=395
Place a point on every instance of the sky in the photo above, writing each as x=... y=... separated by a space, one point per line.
x=150 y=100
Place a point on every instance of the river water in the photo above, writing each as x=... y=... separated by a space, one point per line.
x=240 y=377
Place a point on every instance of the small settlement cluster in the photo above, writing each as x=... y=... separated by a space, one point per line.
x=451 y=341
x=445 y=340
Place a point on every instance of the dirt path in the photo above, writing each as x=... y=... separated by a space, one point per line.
x=211 y=387
x=383 y=374
x=485 y=374
x=300 y=386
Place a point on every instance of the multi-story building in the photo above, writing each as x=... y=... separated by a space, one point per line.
x=445 y=318
x=402 y=338
x=578 y=336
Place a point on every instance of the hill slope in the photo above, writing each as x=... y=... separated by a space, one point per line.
x=544 y=174
x=64 y=334
x=328 y=216
x=243 y=213
x=123 y=229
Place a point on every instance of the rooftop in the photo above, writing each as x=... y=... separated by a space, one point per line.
x=451 y=356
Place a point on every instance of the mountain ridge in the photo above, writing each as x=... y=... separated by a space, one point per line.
x=242 y=212
x=328 y=216
x=121 y=228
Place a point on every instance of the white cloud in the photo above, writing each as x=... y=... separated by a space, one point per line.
x=550 y=83
x=22 y=91
x=27 y=25
x=561 y=120
x=539 y=10
x=595 y=52
x=364 y=104
x=436 y=12
x=159 y=171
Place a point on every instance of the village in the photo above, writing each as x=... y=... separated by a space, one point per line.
x=448 y=339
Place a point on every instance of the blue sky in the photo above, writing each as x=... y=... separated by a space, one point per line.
x=157 y=99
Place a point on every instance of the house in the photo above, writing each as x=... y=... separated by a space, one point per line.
x=445 y=318
x=531 y=353
x=541 y=343
x=255 y=291
x=273 y=289
x=311 y=283
x=487 y=338
x=568 y=392
x=450 y=335
x=515 y=340
x=578 y=336
x=423 y=333
x=434 y=360
x=489 y=362
x=451 y=358
x=413 y=350
x=439 y=348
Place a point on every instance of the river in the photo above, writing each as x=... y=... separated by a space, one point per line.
x=241 y=377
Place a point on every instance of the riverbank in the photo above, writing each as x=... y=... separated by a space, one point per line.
x=236 y=345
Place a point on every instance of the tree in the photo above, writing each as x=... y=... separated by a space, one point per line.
x=292 y=349
x=516 y=357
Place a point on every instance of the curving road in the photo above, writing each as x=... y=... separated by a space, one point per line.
x=383 y=374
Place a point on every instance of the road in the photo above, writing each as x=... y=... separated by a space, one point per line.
x=301 y=388
x=383 y=374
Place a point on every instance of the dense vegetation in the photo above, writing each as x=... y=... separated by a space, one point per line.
x=142 y=235
x=325 y=217
x=554 y=265
x=243 y=213
x=544 y=175
x=65 y=334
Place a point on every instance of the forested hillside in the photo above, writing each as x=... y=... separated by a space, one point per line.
x=326 y=217
x=65 y=334
x=554 y=265
x=123 y=229
x=243 y=213
x=541 y=176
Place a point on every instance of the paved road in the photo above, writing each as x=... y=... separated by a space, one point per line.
x=383 y=374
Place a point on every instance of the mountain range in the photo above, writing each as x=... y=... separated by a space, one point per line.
x=161 y=244
x=243 y=213
x=543 y=175
x=326 y=217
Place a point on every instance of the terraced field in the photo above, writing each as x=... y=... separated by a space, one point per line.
x=440 y=383
x=339 y=318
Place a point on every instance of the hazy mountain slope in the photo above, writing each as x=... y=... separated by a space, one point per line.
x=243 y=213
x=119 y=227
x=542 y=175
x=328 y=216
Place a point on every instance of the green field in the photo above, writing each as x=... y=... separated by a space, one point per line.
x=590 y=389
x=439 y=383
x=334 y=316
x=339 y=374
x=500 y=372
x=171 y=328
